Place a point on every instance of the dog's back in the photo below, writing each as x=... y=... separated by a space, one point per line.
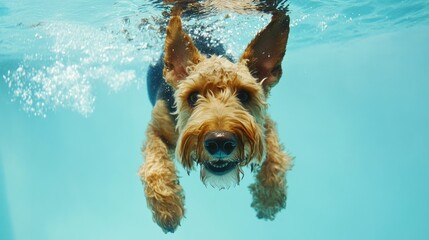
x=156 y=85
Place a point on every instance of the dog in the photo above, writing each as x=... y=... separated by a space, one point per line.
x=212 y=113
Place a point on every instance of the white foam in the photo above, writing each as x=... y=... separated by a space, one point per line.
x=77 y=58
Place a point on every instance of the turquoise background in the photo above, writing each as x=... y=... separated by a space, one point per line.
x=354 y=113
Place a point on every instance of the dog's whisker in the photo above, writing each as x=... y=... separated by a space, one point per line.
x=252 y=167
x=240 y=172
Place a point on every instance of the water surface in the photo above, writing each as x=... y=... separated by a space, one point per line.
x=351 y=107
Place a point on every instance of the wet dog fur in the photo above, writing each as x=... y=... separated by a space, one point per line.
x=211 y=113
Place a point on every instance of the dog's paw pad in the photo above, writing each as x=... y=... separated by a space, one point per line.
x=168 y=221
x=170 y=228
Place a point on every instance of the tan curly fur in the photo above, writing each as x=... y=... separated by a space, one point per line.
x=216 y=84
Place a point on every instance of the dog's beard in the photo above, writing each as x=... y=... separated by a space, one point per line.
x=220 y=173
x=221 y=181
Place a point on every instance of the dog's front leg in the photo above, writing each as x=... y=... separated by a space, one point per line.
x=269 y=190
x=158 y=174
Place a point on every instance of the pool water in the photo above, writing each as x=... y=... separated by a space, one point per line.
x=352 y=107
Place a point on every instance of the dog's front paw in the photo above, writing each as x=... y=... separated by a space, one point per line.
x=268 y=200
x=166 y=200
x=168 y=215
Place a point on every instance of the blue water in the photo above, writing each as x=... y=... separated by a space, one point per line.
x=352 y=107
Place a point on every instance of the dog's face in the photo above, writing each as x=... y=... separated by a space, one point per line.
x=221 y=106
x=221 y=110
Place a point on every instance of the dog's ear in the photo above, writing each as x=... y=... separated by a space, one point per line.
x=264 y=55
x=179 y=53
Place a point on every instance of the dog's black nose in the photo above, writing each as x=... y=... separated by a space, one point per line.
x=220 y=143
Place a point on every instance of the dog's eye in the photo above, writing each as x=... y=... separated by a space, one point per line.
x=243 y=96
x=193 y=98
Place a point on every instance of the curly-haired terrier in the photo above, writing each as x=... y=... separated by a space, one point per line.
x=212 y=113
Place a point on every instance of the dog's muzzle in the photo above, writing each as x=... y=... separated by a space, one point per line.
x=221 y=170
